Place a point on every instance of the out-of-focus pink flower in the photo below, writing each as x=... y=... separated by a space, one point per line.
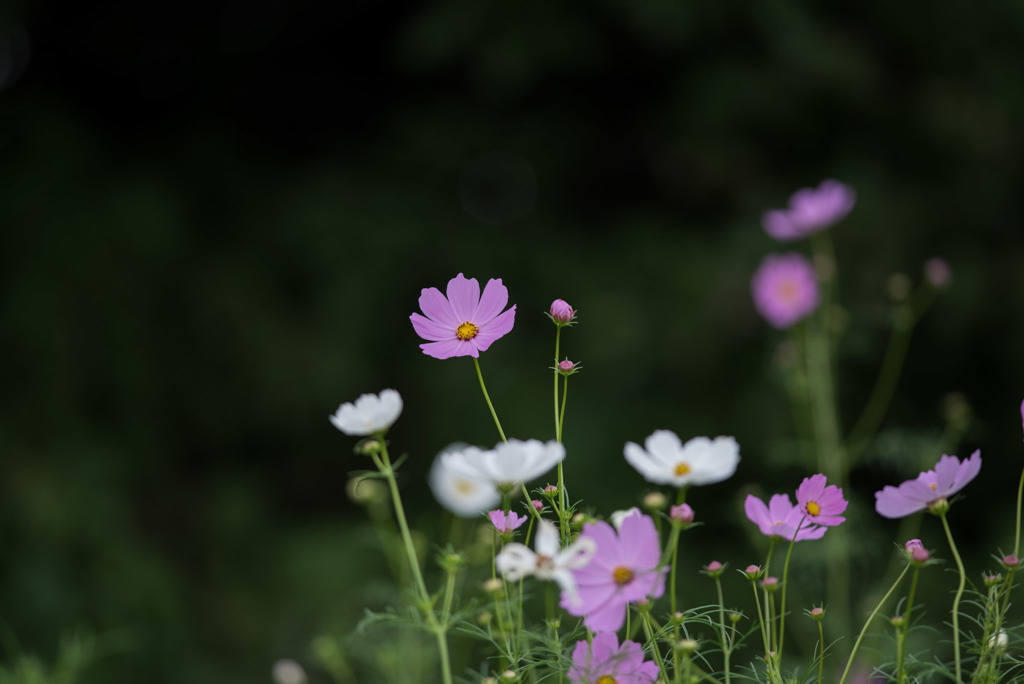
x=681 y=513
x=780 y=518
x=506 y=522
x=810 y=210
x=820 y=503
x=785 y=289
x=913 y=544
x=561 y=312
x=624 y=570
x=604 y=660
x=465 y=322
x=937 y=272
x=929 y=488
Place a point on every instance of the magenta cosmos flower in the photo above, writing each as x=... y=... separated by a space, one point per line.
x=929 y=489
x=465 y=322
x=785 y=289
x=820 y=503
x=780 y=518
x=605 y=662
x=623 y=570
x=810 y=210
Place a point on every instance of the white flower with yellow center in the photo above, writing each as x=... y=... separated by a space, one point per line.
x=550 y=562
x=463 y=495
x=664 y=459
x=508 y=464
x=370 y=414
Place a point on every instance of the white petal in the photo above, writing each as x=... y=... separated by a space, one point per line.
x=515 y=561
x=459 y=489
x=577 y=555
x=547 y=539
x=648 y=468
x=712 y=460
x=369 y=414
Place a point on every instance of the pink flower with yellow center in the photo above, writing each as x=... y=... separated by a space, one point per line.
x=465 y=322
x=931 y=489
x=820 y=503
x=603 y=661
x=781 y=519
x=785 y=289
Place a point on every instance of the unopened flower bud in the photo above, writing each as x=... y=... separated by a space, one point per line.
x=734 y=617
x=999 y=640
x=483 y=619
x=365 y=490
x=770 y=583
x=897 y=621
x=937 y=272
x=537 y=504
x=992 y=580
x=551 y=491
x=682 y=514
x=494 y=586
x=561 y=313
x=913 y=544
x=654 y=501
x=752 y=572
x=1010 y=562
x=508 y=676
x=368 y=447
x=714 y=568
x=288 y=671
x=578 y=520
x=919 y=556
x=567 y=367
x=687 y=646
x=817 y=613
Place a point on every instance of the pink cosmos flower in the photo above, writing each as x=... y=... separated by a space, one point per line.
x=605 y=661
x=929 y=488
x=465 y=323
x=821 y=504
x=780 y=518
x=623 y=570
x=785 y=289
x=810 y=210
x=506 y=522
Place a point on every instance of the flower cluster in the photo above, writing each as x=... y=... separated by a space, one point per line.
x=817 y=508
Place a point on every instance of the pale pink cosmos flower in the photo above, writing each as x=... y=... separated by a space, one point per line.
x=604 y=660
x=624 y=570
x=506 y=522
x=780 y=518
x=810 y=210
x=930 y=487
x=785 y=289
x=465 y=322
x=820 y=503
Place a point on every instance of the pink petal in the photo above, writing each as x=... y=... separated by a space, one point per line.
x=434 y=305
x=890 y=502
x=603 y=535
x=778 y=225
x=605 y=647
x=945 y=474
x=493 y=300
x=495 y=328
x=757 y=513
x=811 y=488
x=463 y=295
x=429 y=330
x=608 y=617
x=968 y=470
x=448 y=349
x=638 y=541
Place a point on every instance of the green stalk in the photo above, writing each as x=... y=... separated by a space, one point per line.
x=1020 y=493
x=959 y=594
x=487 y=398
x=726 y=647
x=901 y=648
x=785 y=583
x=860 y=637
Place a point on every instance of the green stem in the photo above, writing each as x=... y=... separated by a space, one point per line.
x=821 y=651
x=563 y=496
x=760 y=618
x=721 y=625
x=558 y=424
x=860 y=637
x=959 y=594
x=785 y=583
x=487 y=398
x=655 y=648
x=901 y=648
x=1020 y=493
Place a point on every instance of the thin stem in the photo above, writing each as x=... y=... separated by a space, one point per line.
x=860 y=637
x=721 y=625
x=959 y=594
x=563 y=496
x=821 y=651
x=760 y=618
x=558 y=424
x=785 y=583
x=1020 y=493
x=487 y=398
x=655 y=648
x=901 y=648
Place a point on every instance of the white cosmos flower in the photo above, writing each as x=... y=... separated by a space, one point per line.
x=370 y=414
x=463 y=495
x=550 y=562
x=666 y=460
x=509 y=463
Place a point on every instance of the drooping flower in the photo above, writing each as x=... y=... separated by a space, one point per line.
x=465 y=495
x=506 y=522
x=664 y=459
x=810 y=210
x=820 y=503
x=780 y=518
x=931 y=489
x=785 y=289
x=464 y=323
x=623 y=570
x=509 y=463
x=370 y=414
x=605 y=662
x=550 y=562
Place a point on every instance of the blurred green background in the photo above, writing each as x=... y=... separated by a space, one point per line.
x=218 y=217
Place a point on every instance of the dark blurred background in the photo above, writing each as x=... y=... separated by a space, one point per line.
x=218 y=217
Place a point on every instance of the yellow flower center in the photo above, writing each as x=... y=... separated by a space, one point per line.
x=464 y=487
x=933 y=486
x=466 y=331
x=606 y=679
x=788 y=290
x=622 y=575
x=682 y=468
x=813 y=508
